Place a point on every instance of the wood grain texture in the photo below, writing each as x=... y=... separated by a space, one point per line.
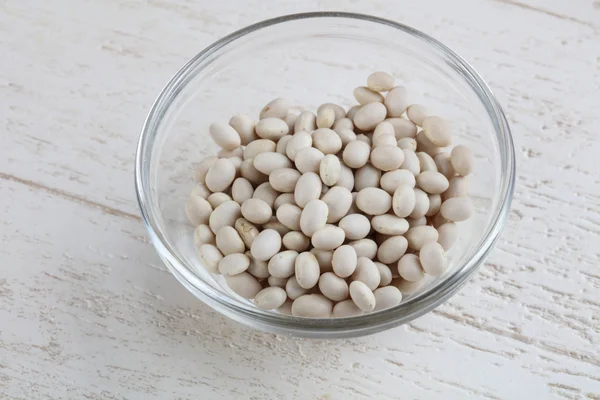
x=87 y=311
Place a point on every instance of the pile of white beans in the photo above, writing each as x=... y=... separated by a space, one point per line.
x=334 y=214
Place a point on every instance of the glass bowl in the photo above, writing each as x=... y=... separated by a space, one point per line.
x=311 y=59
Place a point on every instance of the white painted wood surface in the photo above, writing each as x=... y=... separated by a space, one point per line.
x=87 y=311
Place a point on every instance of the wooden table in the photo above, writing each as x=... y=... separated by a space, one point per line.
x=87 y=310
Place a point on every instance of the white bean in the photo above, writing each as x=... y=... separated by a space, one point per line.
x=435 y=202
x=270 y=298
x=364 y=138
x=266 y=193
x=389 y=224
x=462 y=160
x=307 y=270
x=293 y=289
x=432 y=182
x=457 y=209
x=282 y=144
x=296 y=241
x=419 y=235
x=425 y=145
x=277 y=226
x=312 y=306
x=412 y=222
x=447 y=235
x=337 y=110
x=443 y=164
x=387 y=158
x=244 y=126
x=267 y=162
x=345 y=124
x=221 y=175
x=369 y=116
x=234 y=264
x=346 y=308
x=218 y=198
x=259 y=146
x=289 y=215
x=416 y=113
x=380 y=81
x=346 y=135
x=246 y=230
x=386 y=297
x=308 y=159
x=326 y=141
x=308 y=188
x=210 y=256
x=229 y=241
x=421 y=204
x=328 y=238
x=408 y=287
x=411 y=162
x=284 y=179
x=433 y=258
x=409 y=268
x=426 y=162
x=256 y=211
x=366 y=176
x=277 y=108
x=403 y=128
x=203 y=167
x=364 y=248
x=385 y=274
x=306 y=122
x=248 y=171
x=338 y=200
x=355 y=226
x=407 y=143
x=404 y=200
x=244 y=285
x=266 y=244
x=356 y=154
x=344 y=261
x=367 y=272
x=346 y=178
x=458 y=187
x=392 y=249
x=362 y=296
x=330 y=169
x=374 y=201
x=203 y=235
x=364 y=95
x=198 y=210
x=258 y=269
x=277 y=282
x=390 y=181
x=324 y=258
x=271 y=128
x=299 y=141
x=437 y=131
x=325 y=117
x=313 y=217
x=224 y=136
x=281 y=265
x=241 y=190
x=384 y=140
x=226 y=214
x=396 y=101
x=333 y=287
x=283 y=198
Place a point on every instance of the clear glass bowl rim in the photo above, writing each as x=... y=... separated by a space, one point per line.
x=343 y=327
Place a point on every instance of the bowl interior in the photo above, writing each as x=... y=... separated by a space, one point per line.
x=310 y=61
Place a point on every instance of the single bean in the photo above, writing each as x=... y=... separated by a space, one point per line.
x=364 y=95
x=330 y=169
x=421 y=204
x=447 y=235
x=338 y=200
x=313 y=217
x=203 y=235
x=407 y=143
x=355 y=226
x=283 y=198
x=346 y=178
x=385 y=274
x=333 y=287
x=433 y=258
x=241 y=190
x=226 y=214
x=387 y=158
x=462 y=160
x=328 y=238
x=366 y=176
x=218 y=198
x=396 y=101
x=392 y=249
x=390 y=181
x=296 y=241
x=258 y=146
x=256 y=211
x=364 y=248
x=411 y=162
x=224 y=136
x=308 y=188
x=416 y=113
x=229 y=241
x=277 y=108
x=306 y=122
x=346 y=308
x=369 y=116
x=308 y=159
x=362 y=296
x=325 y=117
x=244 y=126
x=386 y=297
x=299 y=141
x=270 y=298
x=389 y=224
x=284 y=179
x=457 y=209
x=324 y=258
x=271 y=128
x=268 y=162
x=312 y=306
x=373 y=201
x=266 y=244
x=404 y=200
x=409 y=268
x=307 y=270
x=210 y=256
x=380 y=81
x=437 y=131
x=344 y=261
x=356 y=154
x=289 y=215
x=244 y=285
x=293 y=289
x=443 y=164
x=234 y=264
x=221 y=175
x=367 y=272
x=266 y=193
x=432 y=182
x=403 y=128
x=198 y=210
x=337 y=110
x=419 y=235
x=327 y=141
x=281 y=265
